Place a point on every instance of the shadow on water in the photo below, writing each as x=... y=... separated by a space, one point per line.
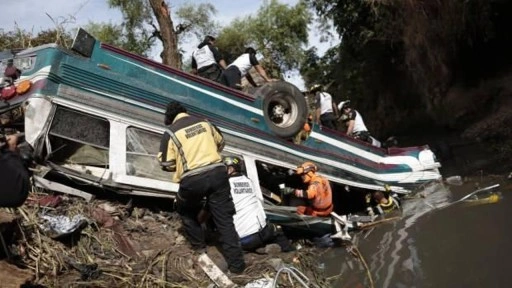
x=459 y=246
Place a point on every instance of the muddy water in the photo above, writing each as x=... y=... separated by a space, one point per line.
x=456 y=246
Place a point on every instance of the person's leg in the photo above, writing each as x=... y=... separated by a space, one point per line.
x=272 y=234
x=222 y=209
x=252 y=242
x=232 y=77
x=188 y=206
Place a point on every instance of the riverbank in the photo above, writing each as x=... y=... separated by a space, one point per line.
x=61 y=241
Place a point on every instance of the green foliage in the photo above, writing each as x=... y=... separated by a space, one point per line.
x=106 y=32
x=136 y=32
x=278 y=31
x=199 y=21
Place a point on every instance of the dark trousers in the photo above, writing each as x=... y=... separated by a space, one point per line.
x=328 y=120
x=212 y=72
x=232 y=77
x=269 y=234
x=14 y=178
x=214 y=185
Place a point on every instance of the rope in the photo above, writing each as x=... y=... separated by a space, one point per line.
x=354 y=250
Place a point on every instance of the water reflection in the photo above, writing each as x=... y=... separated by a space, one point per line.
x=413 y=251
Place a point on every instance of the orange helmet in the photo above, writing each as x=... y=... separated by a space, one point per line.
x=306 y=169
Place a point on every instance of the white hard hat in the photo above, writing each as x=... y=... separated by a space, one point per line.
x=343 y=103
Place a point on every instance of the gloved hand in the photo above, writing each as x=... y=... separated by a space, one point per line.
x=299 y=193
x=285 y=190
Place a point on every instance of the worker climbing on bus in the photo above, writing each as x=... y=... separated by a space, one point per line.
x=318 y=191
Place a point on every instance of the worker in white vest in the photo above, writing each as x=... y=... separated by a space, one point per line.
x=233 y=74
x=250 y=219
x=326 y=110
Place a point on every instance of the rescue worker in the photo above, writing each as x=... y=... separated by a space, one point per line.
x=233 y=74
x=304 y=132
x=318 y=192
x=207 y=62
x=250 y=219
x=354 y=122
x=190 y=148
x=326 y=109
x=382 y=202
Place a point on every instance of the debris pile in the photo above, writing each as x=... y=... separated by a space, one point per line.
x=65 y=241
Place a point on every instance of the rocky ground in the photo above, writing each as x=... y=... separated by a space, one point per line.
x=120 y=244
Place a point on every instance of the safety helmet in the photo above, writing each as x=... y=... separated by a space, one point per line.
x=234 y=162
x=343 y=104
x=315 y=87
x=306 y=169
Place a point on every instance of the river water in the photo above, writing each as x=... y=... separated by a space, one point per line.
x=455 y=246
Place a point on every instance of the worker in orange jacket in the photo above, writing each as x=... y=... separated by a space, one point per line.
x=318 y=192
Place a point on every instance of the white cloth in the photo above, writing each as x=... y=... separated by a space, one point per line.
x=359 y=123
x=204 y=57
x=325 y=102
x=243 y=63
x=250 y=216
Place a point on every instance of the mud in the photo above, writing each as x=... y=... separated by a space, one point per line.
x=125 y=244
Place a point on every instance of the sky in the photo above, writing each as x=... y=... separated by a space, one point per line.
x=31 y=15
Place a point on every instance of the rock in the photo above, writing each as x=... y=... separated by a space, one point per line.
x=276 y=263
x=180 y=240
x=454 y=180
x=13 y=276
x=107 y=207
x=270 y=249
x=139 y=212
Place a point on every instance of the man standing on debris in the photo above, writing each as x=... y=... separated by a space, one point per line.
x=232 y=76
x=326 y=110
x=250 y=219
x=318 y=192
x=191 y=149
x=207 y=62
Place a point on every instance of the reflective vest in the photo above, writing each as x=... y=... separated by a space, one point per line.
x=325 y=102
x=319 y=191
x=243 y=63
x=204 y=57
x=250 y=217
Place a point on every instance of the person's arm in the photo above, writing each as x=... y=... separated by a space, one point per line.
x=166 y=156
x=217 y=56
x=12 y=143
x=249 y=78
x=217 y=136
x=317 y=116
x=351 y=122
x=194 y=66
x=335 y=109
x=262 y=73
x=258 y=67
x=317 y=110
x=310 y=193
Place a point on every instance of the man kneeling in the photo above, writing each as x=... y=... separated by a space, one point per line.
x=250 y=219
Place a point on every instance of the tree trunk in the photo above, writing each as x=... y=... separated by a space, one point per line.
x=170 y=54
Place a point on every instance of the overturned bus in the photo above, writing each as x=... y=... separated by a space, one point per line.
x=94 y=116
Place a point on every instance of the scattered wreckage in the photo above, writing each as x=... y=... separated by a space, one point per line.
x=94 y=118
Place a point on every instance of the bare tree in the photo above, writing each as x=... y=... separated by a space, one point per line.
x=170 y=54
